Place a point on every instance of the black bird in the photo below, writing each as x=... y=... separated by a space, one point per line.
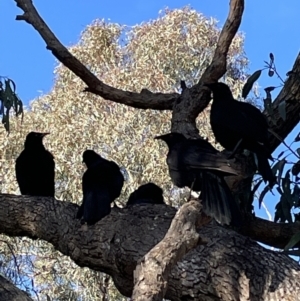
x=238 y=126
x=102 y=183
x=148 y=193
x=35 y=167
x=197 y=164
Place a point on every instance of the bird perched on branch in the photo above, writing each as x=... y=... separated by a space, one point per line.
x=197 y=164
x=102 y=183
x=148 y=193
x=35 y=167
x=238 y=126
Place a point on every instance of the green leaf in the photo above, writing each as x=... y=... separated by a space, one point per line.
x=13 y=83
x=279 y=165
x=268 y=104
x=250 y=81
x=271 y=73
x=282 y=111
x=270 y=89
x=262 y=195
x=286 y=209
x=286 y=183
x=296 y=168
x=8 y=95
x=280 y=154
x=278 y=213
x=295 y=196
x=293 y=241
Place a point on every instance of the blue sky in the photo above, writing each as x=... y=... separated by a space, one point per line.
x=270 y=26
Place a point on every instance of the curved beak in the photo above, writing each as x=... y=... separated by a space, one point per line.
x=161 y=137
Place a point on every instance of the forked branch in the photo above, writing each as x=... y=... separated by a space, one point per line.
x=152 y=272
x=143 y=100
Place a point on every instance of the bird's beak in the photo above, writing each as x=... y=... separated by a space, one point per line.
x=44 y=134
x=162 y=137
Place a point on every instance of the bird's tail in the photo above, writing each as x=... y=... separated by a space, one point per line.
x=264 y=168
x=218 y=201
x=96 y=205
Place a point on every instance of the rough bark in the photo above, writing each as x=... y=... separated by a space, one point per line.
x=228 y=267
x=205 y=276
x=151 y=273
x=9 y=292
x=290 y=93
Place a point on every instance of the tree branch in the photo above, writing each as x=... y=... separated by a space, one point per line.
x=9 y=292
x=195 y=100
x=152 y=272
x=290 y=93
x=227 y=268
x=143 y=100
x=276 y=235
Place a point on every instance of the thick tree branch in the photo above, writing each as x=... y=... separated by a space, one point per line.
x=229 y=267
x=276 y=235
x=270 y=233
x=34 y=223
x=290 y=93
x=9 y=292
x=143 y=100
x=152 y=272
x=195 y=100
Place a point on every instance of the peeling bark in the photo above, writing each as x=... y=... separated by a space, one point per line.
x=152 y=272
x=229 y=267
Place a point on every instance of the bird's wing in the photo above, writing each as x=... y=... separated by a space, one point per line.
x=195 y=157
x=21 y=168
x=259 y=125
x=243 y=120
x=48 y=171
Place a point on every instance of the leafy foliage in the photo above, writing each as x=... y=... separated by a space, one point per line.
x=9 y=99
x=287 y=186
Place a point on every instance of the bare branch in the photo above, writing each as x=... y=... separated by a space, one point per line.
x=152 y=272
x=276 y=235
x=143 y=100
x=195 y=100
x=10 y=292
x=217 y=68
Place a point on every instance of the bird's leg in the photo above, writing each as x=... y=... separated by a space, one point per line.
x=236 y=148
x=192 y=186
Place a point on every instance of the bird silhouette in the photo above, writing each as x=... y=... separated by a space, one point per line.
x=148 y=193
x=102 y=183
x=35 y=167
x=197 y=164
x=238 y=126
